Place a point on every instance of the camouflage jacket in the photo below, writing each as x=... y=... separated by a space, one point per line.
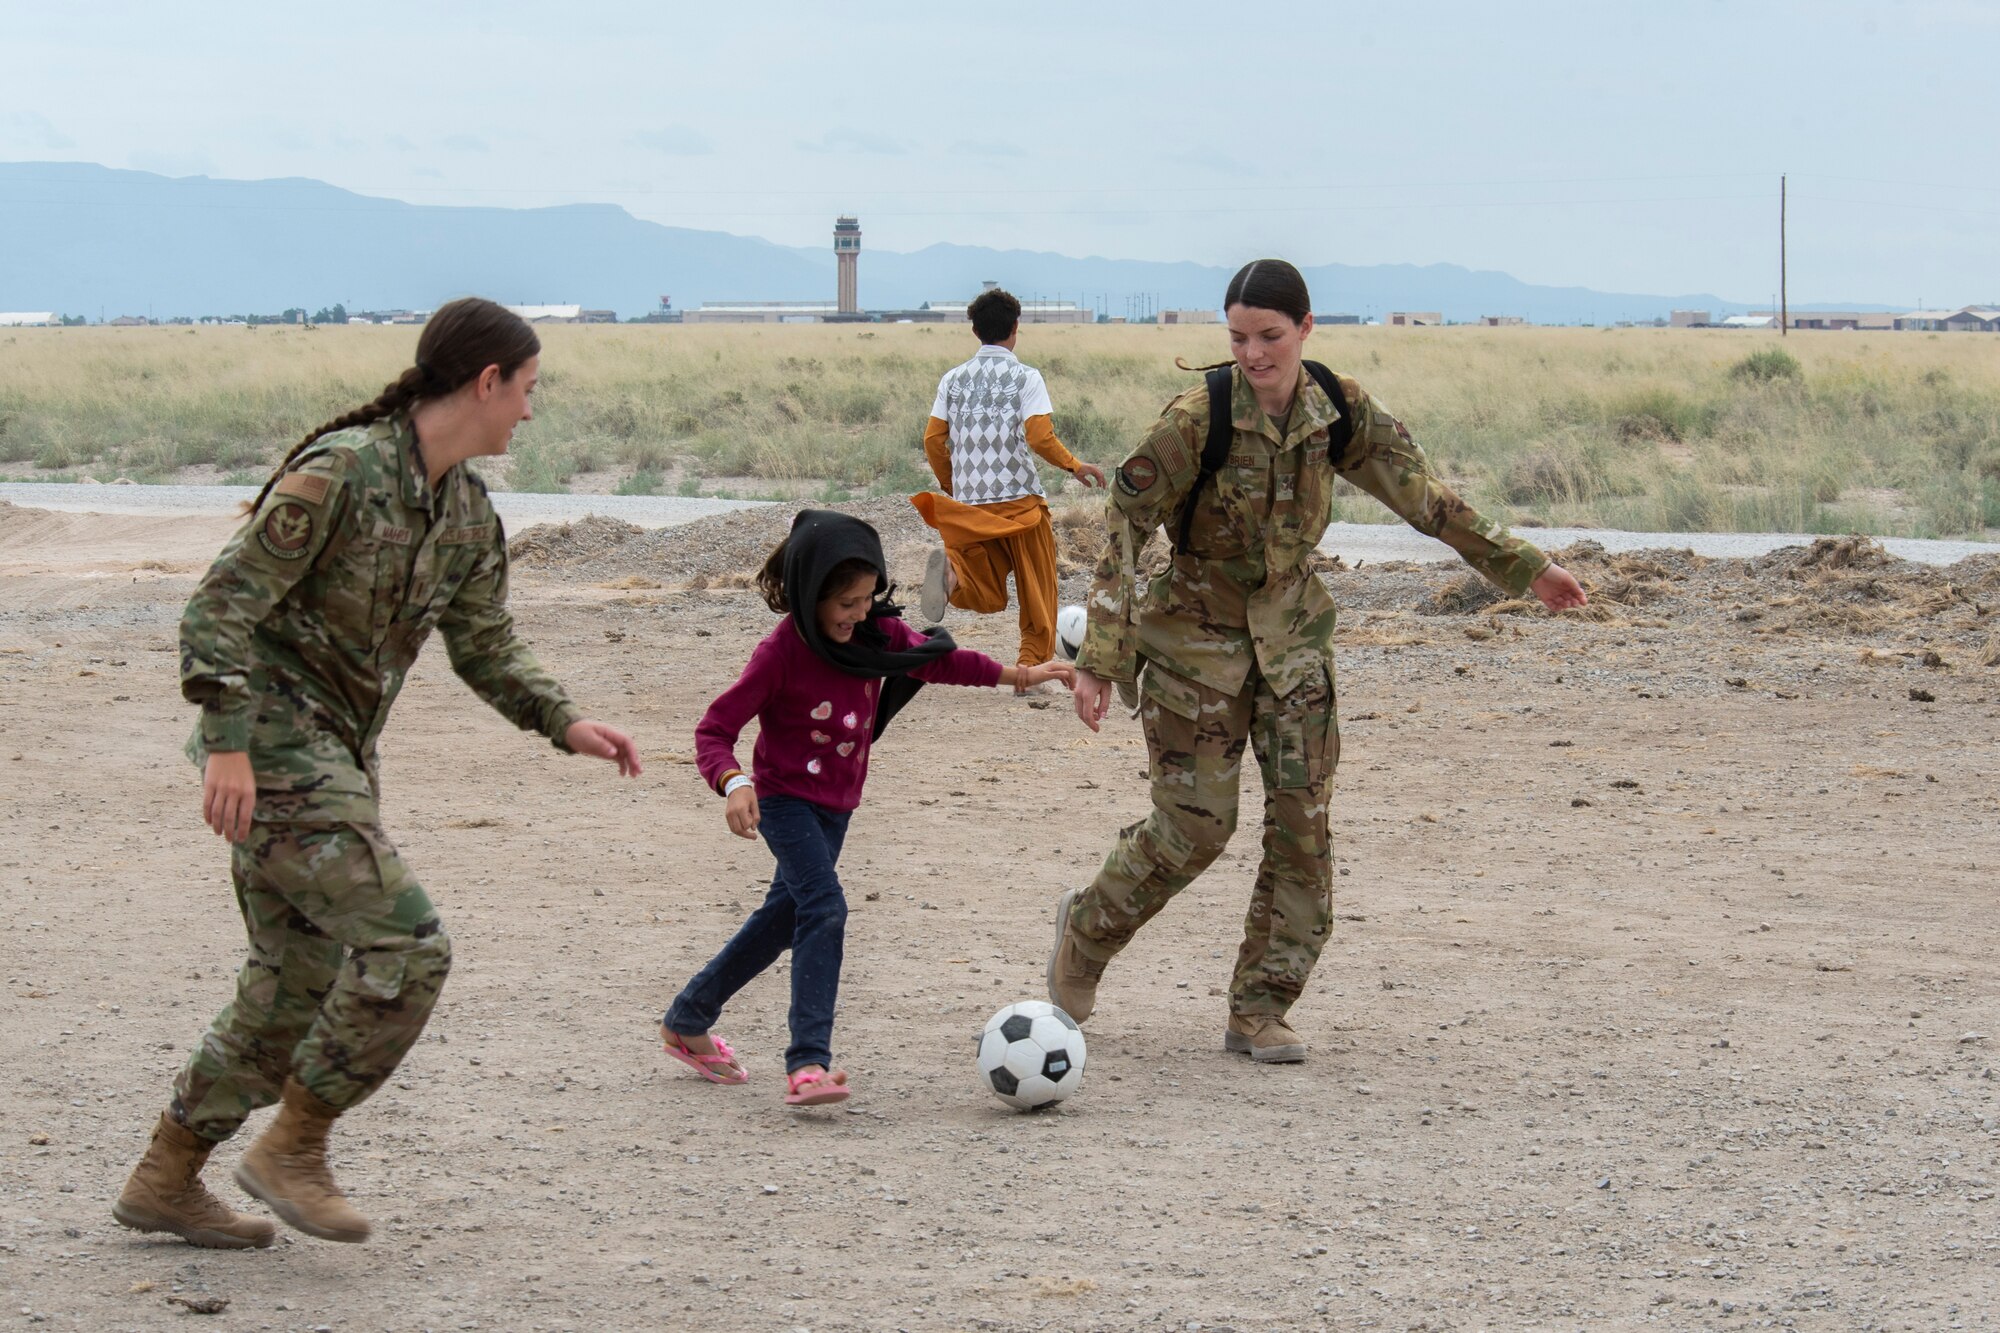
x=1244 y=592
x=298 y=638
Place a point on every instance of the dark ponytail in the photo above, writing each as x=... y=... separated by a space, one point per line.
x=459 y=341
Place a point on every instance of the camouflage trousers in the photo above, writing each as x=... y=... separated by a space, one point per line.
x=1195 y=738
x=346 y=960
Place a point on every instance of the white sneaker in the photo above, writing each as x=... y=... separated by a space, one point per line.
x=934 y=598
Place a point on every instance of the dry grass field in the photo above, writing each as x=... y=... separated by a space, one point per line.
x=1657 y=430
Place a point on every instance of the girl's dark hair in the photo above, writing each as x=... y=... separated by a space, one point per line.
x=771 y=578
x=1270 y=284
x=460 y=340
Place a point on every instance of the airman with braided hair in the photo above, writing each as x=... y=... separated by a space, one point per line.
x=369 y=535
x=1232 y=647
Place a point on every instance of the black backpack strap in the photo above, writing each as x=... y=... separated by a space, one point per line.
x=1341 y=433
x=1215 y=450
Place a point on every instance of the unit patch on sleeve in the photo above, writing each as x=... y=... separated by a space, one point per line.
x=1137 y=475
x=286 y=531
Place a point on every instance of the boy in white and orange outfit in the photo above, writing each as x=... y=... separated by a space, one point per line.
x=989 y=421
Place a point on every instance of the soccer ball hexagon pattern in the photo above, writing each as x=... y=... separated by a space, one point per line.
x=1031 y=1055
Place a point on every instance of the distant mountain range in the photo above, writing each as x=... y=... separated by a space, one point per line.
x=83 y=239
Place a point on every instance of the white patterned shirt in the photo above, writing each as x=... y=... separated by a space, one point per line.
x=987 y=403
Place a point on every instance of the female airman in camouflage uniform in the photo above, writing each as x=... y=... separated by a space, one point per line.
x=1234 y=644
x=368 y=536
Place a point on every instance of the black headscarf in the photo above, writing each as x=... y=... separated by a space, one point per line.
x=820 y=540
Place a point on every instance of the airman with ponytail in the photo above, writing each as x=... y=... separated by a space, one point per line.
x=1231 y=647
x=369 y=534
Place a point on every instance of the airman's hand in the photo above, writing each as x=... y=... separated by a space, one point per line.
x=228 y=793
x=1558 y=589
x=1092 y=696
x=594 y=738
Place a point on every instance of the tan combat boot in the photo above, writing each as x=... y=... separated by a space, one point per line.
x=165 y=1193
x=286 y=1168
x=1073 y=978
x=1266 y=1038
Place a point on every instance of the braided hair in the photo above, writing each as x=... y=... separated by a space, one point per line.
x=459 y=341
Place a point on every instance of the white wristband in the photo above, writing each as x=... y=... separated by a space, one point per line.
x=729 y=787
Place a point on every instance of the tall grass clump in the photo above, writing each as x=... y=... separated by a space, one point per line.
x=1767 y=364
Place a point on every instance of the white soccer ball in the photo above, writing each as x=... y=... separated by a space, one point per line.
x=1071 y=622
x=1031 y=1055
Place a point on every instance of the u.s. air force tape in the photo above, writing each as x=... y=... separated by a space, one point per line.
x=286 y=531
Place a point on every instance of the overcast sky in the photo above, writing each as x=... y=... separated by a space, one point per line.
x=1611 y=144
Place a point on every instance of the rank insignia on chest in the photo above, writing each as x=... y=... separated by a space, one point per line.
x=1287 y=487
x=286 y=531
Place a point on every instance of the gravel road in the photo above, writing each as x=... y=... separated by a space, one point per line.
x=1350 y=541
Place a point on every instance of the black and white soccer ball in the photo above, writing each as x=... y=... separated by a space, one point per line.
x=1071 y=622
x=1031 y=1055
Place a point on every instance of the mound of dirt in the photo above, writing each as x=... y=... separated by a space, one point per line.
x=560 y=545
x=1836 y=587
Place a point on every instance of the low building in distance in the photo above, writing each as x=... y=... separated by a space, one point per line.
x=1412 y=319
x=29 y=319
x=761 y=312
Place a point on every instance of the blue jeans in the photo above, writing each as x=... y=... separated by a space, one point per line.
x=806 y=912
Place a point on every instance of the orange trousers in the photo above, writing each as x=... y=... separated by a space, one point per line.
x=985 y=544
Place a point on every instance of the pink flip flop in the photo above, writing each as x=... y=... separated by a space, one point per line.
x=714 y=1067
x=815 y=1087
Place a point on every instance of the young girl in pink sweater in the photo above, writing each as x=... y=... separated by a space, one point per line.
x=823 y=684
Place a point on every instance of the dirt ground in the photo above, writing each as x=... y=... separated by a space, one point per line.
x=1661 y=994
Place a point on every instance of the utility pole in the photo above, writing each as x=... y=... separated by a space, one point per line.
x=1784 y=295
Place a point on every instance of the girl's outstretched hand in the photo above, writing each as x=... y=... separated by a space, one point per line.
x=594 y=738
x=1558 y=589
x=1092 y=697
x=742 y=813
x=1062 y=671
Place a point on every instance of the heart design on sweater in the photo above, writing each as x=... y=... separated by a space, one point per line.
x=820 y=738
x=844 y=749
x=812 y=767
x=823 y=712
x=850 y=722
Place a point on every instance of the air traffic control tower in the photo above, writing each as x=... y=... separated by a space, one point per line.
x=847 y=250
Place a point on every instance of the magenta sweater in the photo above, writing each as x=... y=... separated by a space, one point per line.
x=814 y=719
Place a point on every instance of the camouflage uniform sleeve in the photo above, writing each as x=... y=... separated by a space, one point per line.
x=1389 y=465
x=487 y=655
x=275 y=548
x=1147 y=490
